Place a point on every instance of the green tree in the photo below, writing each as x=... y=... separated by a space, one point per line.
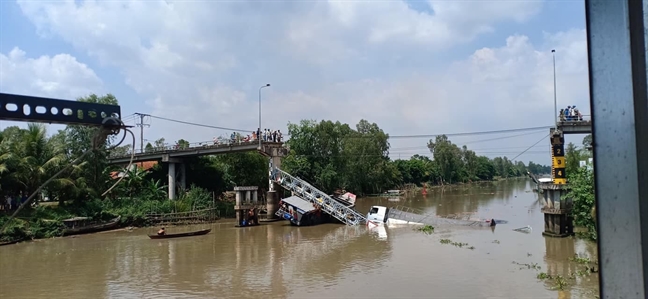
x=449 y=158
x=581 y=185
x=183 y=144
x=79 y=139
x=332 y=155
x=573 y=156
x=160 y=144
x=587 y=141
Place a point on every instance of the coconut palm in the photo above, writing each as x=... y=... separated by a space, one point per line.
x=33 y=159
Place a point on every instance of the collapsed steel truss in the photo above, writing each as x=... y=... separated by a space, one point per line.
x=306 y=191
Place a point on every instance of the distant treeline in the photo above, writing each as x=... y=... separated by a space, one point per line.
x=333 y=155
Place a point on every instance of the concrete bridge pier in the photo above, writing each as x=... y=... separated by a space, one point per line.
x=173 y=175
x=557 y=211
x=272 y=196
x=557 y=208
x=172 y=181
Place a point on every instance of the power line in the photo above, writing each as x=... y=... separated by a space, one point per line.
x=477 y=141
x=543 y=138
x=391 y=137
x=470 y=149
x=196 y=124
x=420 y=154
x=472 y=133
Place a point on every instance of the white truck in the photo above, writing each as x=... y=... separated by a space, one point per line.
x=394 y=216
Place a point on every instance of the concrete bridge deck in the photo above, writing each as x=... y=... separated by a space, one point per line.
x=172 y=152
x=583 y=126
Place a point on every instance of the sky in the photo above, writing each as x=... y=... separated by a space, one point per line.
x=412 y=67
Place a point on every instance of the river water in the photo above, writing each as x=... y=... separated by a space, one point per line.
x=326 y=261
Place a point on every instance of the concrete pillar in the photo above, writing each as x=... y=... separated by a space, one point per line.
x=273 y=204
x=172 y=181
x=557 y=210
x=248 y=196
x=255 y=196
x=183 y=176
x=276 y=162
x=238 y=198
x=239 y=213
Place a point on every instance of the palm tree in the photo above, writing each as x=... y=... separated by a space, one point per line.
x=33 y=159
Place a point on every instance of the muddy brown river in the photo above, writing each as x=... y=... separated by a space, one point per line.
x=327 y=261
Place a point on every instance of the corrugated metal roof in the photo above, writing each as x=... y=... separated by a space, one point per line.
x=299 y=203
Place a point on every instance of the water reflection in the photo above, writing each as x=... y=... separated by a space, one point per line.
x=558 y=260
x=380 y=232
x=45 y=263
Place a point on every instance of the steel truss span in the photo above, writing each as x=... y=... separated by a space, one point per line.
x=306 y=191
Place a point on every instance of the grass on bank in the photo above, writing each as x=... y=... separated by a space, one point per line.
x=45 y=221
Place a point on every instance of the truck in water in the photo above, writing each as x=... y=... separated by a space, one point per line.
x=396 y=216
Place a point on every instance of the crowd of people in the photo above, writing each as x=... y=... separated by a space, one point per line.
x=571 y=113
x=266 y=135
x=10 y=203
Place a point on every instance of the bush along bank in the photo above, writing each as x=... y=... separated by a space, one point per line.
x=47 y=221
x=581 y=184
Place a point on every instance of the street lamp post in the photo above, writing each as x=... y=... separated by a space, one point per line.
x=554 y=79
x=259 y=130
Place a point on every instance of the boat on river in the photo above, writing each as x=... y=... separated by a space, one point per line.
x=85 y=225
x=348 y=199
x=11 y=242
x=180 y=235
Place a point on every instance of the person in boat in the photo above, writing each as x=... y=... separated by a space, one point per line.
x=252 y=219
x=161 y=232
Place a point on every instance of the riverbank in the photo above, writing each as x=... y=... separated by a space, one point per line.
x=415 y=189
x=46 y=221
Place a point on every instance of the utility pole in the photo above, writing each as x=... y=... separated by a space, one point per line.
x=553 y=52
x=141 y=124
x=259 y=130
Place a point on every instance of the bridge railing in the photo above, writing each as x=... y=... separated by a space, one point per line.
x=187 y=147
x=562 y=119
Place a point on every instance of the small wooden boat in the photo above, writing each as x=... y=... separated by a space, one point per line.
x=11 y=242
x=179 y=235
x=84 y=225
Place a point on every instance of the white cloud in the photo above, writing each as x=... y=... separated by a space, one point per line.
x=59 y=76
x=343 y=60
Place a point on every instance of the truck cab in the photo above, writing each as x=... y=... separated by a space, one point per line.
x=378 y=214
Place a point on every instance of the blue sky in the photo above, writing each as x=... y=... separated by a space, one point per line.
x=414 y=67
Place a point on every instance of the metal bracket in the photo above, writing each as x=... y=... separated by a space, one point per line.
x=36 y=109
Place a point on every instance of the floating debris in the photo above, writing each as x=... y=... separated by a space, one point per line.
x=527 y=229
x=426 y=229
x=456 y=244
